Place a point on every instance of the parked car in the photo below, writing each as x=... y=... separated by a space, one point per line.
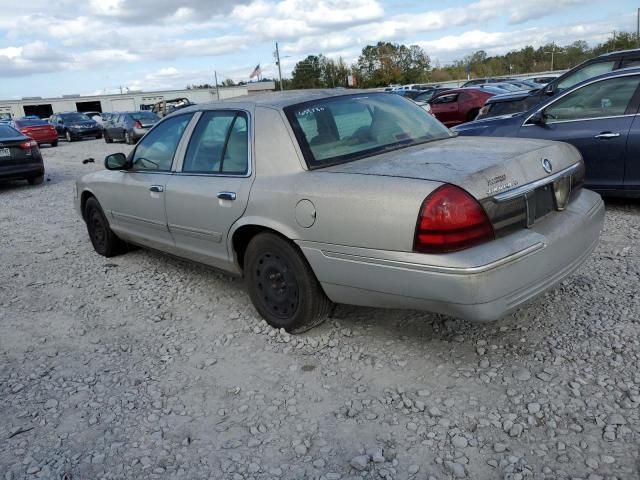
x=20 y=157
x=426 y=95
x=129 y=126
x=363 y=198
x=412 y=94
x=39 y=130
x=75 y=126
x=543 y=79
x=166 y=107
x=597 y=116
x=95 y=116
x=481 y=81
x=459 y=105
x=5 y=117
x=522 y=101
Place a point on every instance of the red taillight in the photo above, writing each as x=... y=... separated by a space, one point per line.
x=29 y=144
x=450 y=220
x=137 y=124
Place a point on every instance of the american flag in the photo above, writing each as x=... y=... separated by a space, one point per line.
x=256 y=72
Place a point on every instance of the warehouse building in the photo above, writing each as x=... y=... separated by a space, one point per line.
x=45 y=107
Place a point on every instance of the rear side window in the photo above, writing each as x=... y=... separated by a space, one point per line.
x=219 y=144
x=585 y=73
x=156 y=150
x=606 y=98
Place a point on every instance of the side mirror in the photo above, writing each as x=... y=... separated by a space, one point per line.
x=549 y=90
x=115 y=161
x=537 y=118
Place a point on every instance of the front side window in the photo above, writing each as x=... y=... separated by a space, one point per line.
x=219 y=144
x=606 y=98
x=339 y=129
x=585 y=73
x=156 y=150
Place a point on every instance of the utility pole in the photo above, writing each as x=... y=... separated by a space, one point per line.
x=279 y=68
x=638 y=29
x=215 y=76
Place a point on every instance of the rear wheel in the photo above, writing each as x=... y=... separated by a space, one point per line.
x=54 y=144
x=36 y=180
x=104 y=241
x=282 y=286
x=107 y=138
x=68 y=136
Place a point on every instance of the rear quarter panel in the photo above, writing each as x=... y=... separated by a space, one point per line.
x=351 y=209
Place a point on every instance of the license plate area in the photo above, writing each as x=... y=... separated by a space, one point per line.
x=5 y=152
x=540 y=203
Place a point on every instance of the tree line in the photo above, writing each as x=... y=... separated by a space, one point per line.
x=387 y=63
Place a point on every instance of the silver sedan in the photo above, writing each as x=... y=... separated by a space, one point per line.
x=322 y=197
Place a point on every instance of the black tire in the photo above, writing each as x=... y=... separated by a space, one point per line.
x=68 y=136
x=128 y=138
x=36 y=180
x=107 y=138
x=98 y=137
x=472 y=114
x=282 y=286
x=54 y=144
x=104 y=241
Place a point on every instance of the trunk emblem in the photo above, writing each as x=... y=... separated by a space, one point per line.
x=546 y=164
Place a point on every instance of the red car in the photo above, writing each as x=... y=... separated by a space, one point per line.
x=39 y=130
x=459 y=105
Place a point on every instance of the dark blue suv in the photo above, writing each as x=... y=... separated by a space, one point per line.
x=598 y=116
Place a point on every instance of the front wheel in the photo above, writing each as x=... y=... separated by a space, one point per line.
x=282 y=286
x=128 y=138
x=107 y=138
x=104 y=241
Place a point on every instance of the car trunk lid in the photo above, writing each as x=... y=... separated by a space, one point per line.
x=484 y=167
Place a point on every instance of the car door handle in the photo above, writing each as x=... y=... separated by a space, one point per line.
x=607 y=135
x=227 y=195
x=156 y=188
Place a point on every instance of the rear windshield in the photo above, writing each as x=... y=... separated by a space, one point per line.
x=30 y=123
x=75 y=117
x=7 y=132
x=147 y=116
x=341 y=129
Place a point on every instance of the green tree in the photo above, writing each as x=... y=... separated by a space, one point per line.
x=307 y=73
x=228 y=83
x=386 y=63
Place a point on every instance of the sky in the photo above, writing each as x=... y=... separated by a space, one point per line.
x=58 y=47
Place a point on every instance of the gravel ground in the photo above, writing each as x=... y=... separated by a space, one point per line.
x=144 y=366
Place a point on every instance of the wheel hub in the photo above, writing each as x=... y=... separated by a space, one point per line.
x=277 y=285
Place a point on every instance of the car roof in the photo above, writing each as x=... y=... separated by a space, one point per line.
x=278 y=99
x=619 y=52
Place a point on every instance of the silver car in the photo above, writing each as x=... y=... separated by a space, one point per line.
x=322 y=197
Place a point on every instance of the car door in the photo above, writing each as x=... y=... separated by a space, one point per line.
x=137 y=196
x=211 y=189
x=596 y=119
x=632 y=162
x=445 y=108
x=115 y=131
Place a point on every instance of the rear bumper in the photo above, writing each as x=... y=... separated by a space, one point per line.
x=482 y=283
x=21 y=171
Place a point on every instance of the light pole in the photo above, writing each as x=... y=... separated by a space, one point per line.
x=279 y=68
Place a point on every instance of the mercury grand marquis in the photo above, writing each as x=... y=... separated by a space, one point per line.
x=355 y=197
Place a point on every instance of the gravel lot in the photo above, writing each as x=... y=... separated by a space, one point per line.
x=144 y=366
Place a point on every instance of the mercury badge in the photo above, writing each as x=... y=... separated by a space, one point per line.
x=546 y=164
